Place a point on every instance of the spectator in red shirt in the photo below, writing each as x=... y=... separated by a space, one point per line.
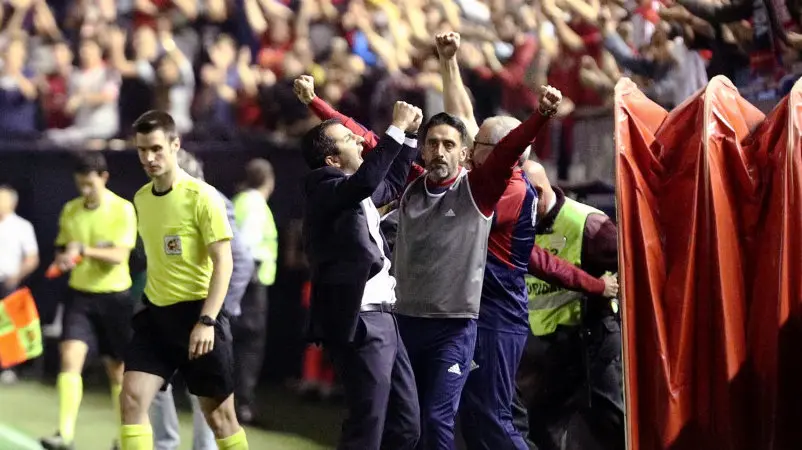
x=518 y=99
x=55 y=88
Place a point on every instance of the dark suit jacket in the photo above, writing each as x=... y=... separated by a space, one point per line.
x=342 y=255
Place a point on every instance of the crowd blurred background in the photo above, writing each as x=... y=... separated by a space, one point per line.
x=77 y=72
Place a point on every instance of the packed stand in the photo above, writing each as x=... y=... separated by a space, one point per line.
x=79 y=72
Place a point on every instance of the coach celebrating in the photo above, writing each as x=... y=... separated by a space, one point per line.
x=440 y=253
x=352 y=290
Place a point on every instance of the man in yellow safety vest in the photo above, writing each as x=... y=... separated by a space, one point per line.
x=255 y=221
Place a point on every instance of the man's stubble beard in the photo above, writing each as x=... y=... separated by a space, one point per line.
x=439 y=173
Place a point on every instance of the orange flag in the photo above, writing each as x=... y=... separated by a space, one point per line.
x=20 y=333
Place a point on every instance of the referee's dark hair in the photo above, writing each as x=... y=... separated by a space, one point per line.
x=88 y=162
x=445 y=119
x=156 y=120
x=317 y=145
x=258 y=172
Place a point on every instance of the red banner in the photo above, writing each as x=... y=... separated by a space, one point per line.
x=710 y=250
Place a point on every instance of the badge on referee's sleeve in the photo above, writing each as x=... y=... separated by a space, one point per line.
x=172 y=245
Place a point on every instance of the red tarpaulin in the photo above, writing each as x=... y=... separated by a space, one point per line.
x=708 y=218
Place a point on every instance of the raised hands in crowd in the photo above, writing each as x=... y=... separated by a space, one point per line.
x=363 y=55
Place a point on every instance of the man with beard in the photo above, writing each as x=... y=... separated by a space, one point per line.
x=440 y=254
x=502 y=326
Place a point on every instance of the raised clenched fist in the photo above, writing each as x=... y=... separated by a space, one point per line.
x=304 y=88
x=447 y=44
x=413 y=127
x=550 y=99
x=405 y=116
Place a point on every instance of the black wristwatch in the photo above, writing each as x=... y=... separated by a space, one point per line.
x=206 y=320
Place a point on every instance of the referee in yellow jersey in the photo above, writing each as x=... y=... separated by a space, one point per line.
x=187 y=240
x=100 y=228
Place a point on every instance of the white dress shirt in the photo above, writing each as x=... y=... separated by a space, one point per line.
x=380 y=288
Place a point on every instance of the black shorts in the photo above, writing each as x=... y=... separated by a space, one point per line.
x=160 y=347
x=105 y=318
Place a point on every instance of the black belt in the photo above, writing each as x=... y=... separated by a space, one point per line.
x=377 y=307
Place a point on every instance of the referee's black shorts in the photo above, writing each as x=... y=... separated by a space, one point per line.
x=102 y=318
x=160 y=347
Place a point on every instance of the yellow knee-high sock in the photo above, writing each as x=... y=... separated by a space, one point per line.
x=236 y=441
x=136 y=437
x=70 y=390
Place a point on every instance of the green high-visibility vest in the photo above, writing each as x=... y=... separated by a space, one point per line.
x=549 y=305
x=255 y=222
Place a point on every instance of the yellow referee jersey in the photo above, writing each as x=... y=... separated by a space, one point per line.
x=111 y=224
x=176 y=229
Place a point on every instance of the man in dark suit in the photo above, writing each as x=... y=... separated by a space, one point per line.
x=353 y=291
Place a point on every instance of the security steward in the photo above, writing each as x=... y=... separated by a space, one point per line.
x=571 y=372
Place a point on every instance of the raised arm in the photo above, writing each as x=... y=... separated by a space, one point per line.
x=717 y=13
x=489 y=180
x=304 y=88
x=346 y=192
x=455 y=95
x=396 y=179
x=514 y=70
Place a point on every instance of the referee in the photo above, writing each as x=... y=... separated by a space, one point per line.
x=186 y=236
x=99 y=227
x=163 y=415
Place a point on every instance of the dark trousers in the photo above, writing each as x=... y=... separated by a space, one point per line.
x=520 y=418
x=485 y=409
x=441 y=351
x=250 y=333
x=572 y=383
x=379 y=386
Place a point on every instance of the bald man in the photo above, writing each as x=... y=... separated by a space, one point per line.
x=574 y=352
x=502 y=326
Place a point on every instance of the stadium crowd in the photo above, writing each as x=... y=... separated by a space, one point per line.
x=78 y=72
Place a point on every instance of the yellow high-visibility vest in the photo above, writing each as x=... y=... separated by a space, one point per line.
x=549 y=305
